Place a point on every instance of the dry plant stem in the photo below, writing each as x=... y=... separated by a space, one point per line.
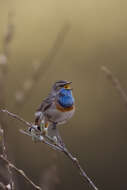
x=8 y=36
x=20 y=172
x=82 y=172
x=53 y=146
x=3 y=186
x=116 y=83
x=57 y=147
x=44 y=65
x=15 y=116
x=53 y=52
x=5 y=156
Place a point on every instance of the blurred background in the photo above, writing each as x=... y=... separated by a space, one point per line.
x=44 y=41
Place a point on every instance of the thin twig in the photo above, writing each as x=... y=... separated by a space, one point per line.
x=43 y=67
x=82 y=172
x=5 y=187
x=21 y=172
x=2 y=186
x=116 y=83
x=58 y=147
x=15 y=116
x=53 y=146
x=9 y=33
x=8 y=36
x=4 y=153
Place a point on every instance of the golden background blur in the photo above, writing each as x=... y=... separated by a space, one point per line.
x=95 y=34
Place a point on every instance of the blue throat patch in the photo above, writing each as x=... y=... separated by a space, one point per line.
x=66 y=98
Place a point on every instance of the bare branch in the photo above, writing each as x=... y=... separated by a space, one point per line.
x=8 y=36
x=77 y=164
x=16 y=117
x=20 y=172
x=3 y=74
x=5 y=187
x=25 y=92
x=4 y=153
x=57 y=147
x=2 y=186
x=116 y=83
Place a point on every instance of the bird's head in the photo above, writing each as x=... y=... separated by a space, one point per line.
x=62 y=84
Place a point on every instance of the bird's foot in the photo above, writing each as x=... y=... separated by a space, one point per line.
x=39 y=129
x=31 y=133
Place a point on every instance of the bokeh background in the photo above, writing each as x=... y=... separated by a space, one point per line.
x=69 y=40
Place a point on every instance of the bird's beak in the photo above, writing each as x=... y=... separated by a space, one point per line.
x=67 y=86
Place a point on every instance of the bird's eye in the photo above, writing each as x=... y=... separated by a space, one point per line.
x=60 y=86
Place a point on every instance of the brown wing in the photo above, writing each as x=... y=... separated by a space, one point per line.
x=47 y=102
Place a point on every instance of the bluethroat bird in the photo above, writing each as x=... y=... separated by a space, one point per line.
x=56 y=109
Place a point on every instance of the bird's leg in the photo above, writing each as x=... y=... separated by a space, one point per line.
x=32 y=131
x=44 y=127
x=38 y=124
x=35 y=128
x=58 y=137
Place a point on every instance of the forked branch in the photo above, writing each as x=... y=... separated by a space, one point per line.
x=20 y=172
x=116 y=83
x=55 y=146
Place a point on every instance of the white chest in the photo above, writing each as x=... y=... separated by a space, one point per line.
x=59 y=116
